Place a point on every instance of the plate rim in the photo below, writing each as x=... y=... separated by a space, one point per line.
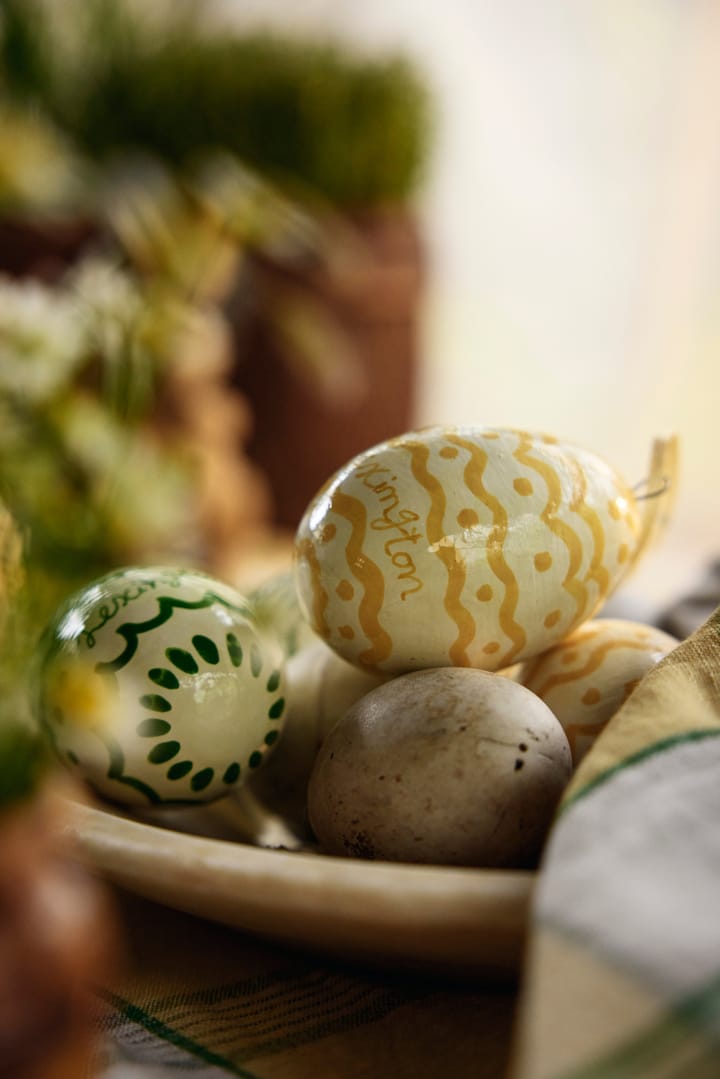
x=456 y=919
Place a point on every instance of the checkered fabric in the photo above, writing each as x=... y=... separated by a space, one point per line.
x=623 y=971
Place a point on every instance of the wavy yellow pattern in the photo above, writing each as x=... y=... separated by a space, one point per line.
x=593 y=662
x=305 y=549
x=565 y=533
x=597 y=570
x=579 y=639
x=370 y=577
x=454 y=566
x=473 y=477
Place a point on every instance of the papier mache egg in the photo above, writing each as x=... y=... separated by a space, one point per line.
x=320 y=687
x=463 y=546
x=277 y=613
x=587 y=677
x=156 y=687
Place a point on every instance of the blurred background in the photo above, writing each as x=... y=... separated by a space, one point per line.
x=242 y=241
x=571 y=209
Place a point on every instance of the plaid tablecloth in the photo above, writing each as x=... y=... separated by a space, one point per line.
x=622 y=975
x=197 y=999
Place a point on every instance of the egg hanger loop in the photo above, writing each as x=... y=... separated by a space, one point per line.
x=657 y=493
x=641 y=492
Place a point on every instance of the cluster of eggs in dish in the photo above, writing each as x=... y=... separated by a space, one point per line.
x=447 y=669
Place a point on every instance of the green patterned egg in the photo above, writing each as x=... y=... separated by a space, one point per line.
x=156 y=687
x=465 y=546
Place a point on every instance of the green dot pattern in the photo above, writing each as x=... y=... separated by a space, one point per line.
x=276 y=708
x=155 y=703
x=232 y=773
x=187 y=661
x=255 y=660
x=179 y=769
x=202 y=779
x=234 y=650
x=165 y=751
x=207 y=649
x=184 y=661
x=161 y=676
x=152 y=728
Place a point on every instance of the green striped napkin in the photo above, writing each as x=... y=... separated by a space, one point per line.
x=623 y=971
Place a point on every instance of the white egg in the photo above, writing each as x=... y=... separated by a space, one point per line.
x=586 y=678
x=156 y=687
x=448 y=765
x=277 y=612
x=320 y=687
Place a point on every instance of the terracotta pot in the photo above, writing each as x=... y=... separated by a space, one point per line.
x=43 y=248
x=372 y=299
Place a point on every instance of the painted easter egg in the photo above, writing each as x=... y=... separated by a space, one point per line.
x=587 y=677
x=464 y=546
x=156 y=687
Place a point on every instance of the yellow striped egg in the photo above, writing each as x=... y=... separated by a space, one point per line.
x=463 y=546
x=586 y=678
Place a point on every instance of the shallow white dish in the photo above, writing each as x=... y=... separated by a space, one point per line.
x=442 y=919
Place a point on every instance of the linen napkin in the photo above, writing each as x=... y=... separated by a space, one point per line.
x=622 y=977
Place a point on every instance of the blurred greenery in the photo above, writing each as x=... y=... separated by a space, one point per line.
x=78 y=473
x=97 y=463
x=22 y=756
x=38 y=169
x=22 y=762
x=184 y=149
x=86 y=360
x=85 y=484
x=314 y=116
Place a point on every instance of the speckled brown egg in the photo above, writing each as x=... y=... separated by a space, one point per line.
x=586 y=678
x=450 y=766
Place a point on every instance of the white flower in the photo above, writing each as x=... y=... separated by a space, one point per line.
x=107 y=290
x=111 y=302
x=43 y=339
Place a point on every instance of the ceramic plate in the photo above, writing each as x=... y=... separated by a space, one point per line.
x=452 y=920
